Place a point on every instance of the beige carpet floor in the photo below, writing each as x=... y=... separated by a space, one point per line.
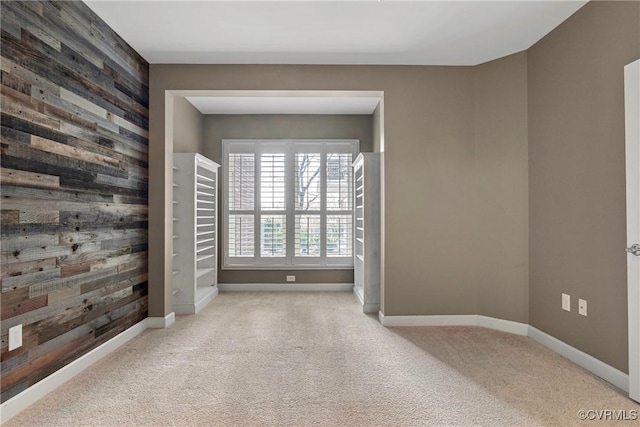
x=311 y=359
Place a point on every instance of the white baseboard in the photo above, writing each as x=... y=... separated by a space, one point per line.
x=40 y=389
x=161 y=322
x=510 y=326
x=283 y=287
x=206 y=300
x=370 y=308
x=366 y=307
x=438 y=320
x=357 y=296
x=590 y=363
x=211 y=293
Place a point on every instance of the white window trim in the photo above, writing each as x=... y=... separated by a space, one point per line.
x=290 y=262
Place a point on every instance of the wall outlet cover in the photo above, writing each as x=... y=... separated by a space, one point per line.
x=582 y=307
x=15 y=337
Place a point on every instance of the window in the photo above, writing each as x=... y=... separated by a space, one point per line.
x=288 y=204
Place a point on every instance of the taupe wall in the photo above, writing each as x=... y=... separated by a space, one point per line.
x=501 y=213
x=429 y=144
x=577 y=177
x=284 y=126
x=188 y=125
x=266 y=126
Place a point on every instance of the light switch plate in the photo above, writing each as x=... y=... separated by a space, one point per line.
x=15 y=337
x=566 y=302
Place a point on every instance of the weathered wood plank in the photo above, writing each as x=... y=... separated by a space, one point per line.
x=20 y=268
x=79 y=199
x=15 y=83
x=49 y=286
x=96 y=259
x=12 y=107
x=30 y=241
x=102 y=235
x=32 y=254
x=10 y=216
x=128 y=261
x=62 y=294
x=31 y=216
x=69 y=151
x=13 y=362
x=44 y=37
x=26 y=280
x=23 y=306
x=28 y=179
x=28 y=76
x=74 y=269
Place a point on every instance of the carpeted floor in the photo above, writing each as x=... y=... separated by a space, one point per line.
x=311 y=359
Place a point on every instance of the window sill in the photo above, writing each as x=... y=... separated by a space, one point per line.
x=287 y=267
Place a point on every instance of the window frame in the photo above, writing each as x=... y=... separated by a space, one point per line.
x=257 y=147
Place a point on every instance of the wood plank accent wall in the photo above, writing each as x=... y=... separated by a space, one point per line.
x=74 y=178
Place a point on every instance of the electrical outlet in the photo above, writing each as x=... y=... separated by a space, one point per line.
x=291 y=278
x=15 y=337
x=582 y=307
x=566 y=302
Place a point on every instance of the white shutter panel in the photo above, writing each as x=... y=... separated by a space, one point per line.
x=339 y=233
x=241 y=196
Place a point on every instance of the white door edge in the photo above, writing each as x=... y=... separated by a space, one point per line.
x=632 y=137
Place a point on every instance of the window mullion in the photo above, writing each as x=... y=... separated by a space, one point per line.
x=290 y=201
x=257 y=203
x=323 y=204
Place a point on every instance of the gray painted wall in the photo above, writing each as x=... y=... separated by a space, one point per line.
x=284 y=126
x=188 y=125
x=501 y=213
x=577 y=177
x=266 y=126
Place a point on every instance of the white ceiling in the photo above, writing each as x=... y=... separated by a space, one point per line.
x=332 y=32
x=284 y=104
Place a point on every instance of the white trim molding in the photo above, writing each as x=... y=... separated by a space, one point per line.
x=436 y=320
x=590 y=363
x=632 y=158
x=19 y=402
x=161 y=322
x=455 y=320
x=285 y=287
x=368 y=308
x=503 y=325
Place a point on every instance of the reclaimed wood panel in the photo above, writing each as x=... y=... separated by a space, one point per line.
x=74 y=183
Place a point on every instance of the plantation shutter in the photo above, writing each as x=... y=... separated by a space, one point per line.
x=288 y=204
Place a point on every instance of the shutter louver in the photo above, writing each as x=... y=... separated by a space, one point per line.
x=273 y=236
x=241 y=190
x=272 y=182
